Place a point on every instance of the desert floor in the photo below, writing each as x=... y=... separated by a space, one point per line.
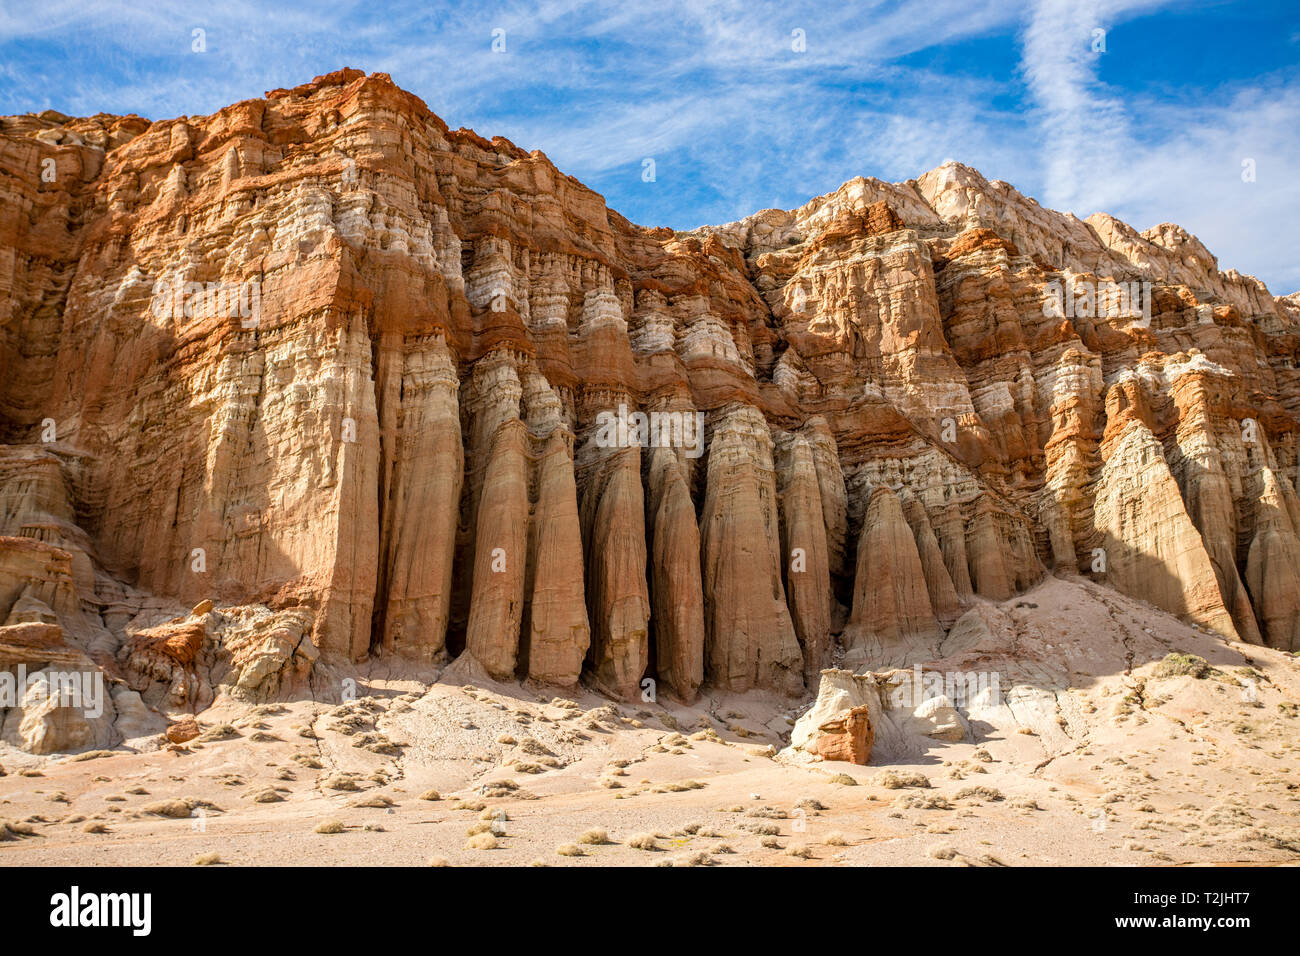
x=1119 y=768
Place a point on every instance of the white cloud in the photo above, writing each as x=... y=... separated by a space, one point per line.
x=735 y=118
x=1147 y=160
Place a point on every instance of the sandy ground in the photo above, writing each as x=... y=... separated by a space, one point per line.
x=1113 y=765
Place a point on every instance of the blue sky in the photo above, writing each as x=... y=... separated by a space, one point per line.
x=1154 y=129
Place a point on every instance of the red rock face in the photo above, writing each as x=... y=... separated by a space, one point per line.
x=848 y=737
x=319 y=352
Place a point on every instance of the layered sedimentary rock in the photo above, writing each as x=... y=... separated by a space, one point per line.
x=423 y=505
x=320 y=355
x=1273 y=564
x=557 y=630
x=891 y=602
x=678 y=613
x=618 y=599
x=750 y=638
x=1150 y=545
x=847 y=737
x=500 y=542
x=806 y=556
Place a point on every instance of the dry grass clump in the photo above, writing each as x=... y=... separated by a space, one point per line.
x=95 y=826
x=899 y=779
x=836 y=839
x=1177 y=665
x=707 y=734
x=570 y=849
x=482 y=841
x=219 y=732
x=643 y=841
x=431 y=795
x=176 y=809
x=206 y=859
x=981 y=793
x=916 y=801
x=14 y=830
x=438 y=861
x=844 y=780
x=593 y=837
x=800 y=851
x=375 y=801
x=330 y=826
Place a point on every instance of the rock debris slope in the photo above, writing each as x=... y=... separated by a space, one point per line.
x=340 y=370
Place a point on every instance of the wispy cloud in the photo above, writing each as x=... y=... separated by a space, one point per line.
x=736 y=114
x=1149 y=160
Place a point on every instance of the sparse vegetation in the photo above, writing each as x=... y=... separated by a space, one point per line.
x=900 y=779
x=376 y=801
x=219 y=732
x=13 y=830
x=1179 y=664
x=980 y=793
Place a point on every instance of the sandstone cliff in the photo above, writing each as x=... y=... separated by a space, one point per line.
x=319 y=355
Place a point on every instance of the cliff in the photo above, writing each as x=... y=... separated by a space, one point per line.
x=343 y=371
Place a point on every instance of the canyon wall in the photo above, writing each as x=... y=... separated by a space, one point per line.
x=320 y=355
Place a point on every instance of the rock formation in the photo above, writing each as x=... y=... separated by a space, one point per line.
x=388 y=390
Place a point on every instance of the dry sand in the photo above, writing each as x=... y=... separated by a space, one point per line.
x=1113 y=765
